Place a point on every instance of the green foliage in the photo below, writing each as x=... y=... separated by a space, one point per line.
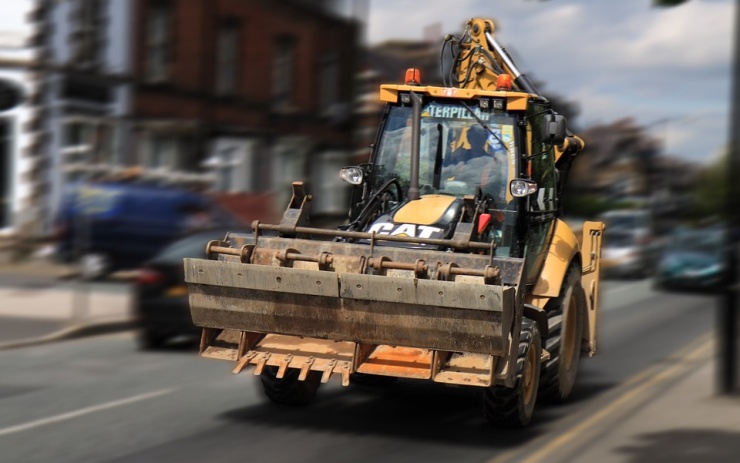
x=712 y=190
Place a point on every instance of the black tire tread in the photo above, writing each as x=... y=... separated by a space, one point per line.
x=288 y=390
x=550 y=387
x=501 y=404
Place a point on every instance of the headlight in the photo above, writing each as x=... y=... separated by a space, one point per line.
x=352 y=175
x=520 y=188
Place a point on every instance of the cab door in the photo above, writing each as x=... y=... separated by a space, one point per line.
x=543 y=207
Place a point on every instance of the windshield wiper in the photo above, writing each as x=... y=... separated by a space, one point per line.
x=485 y=126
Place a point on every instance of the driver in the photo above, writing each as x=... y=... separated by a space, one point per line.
x=488 y=168
x=477 y=137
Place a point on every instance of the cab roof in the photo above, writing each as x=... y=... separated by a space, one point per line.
x=515 y=101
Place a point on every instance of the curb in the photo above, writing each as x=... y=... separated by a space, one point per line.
x=73 y=332
x=586 y=428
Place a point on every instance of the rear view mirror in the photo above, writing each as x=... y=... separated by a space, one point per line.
x=553 y=128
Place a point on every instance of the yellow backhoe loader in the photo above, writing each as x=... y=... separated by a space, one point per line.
x=454 y=267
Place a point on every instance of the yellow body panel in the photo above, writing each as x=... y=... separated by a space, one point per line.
x=515 y=101
x=425 y=211
x=592 y=235
x=563 y=248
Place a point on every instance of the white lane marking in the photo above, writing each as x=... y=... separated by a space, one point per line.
x=82 y=412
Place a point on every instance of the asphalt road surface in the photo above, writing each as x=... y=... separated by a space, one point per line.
x=100 y=399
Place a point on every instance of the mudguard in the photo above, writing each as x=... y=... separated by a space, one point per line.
x=563 y=249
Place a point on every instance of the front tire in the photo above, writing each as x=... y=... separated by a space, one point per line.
x=506 y=407
x=565 y=325
x=288 y=390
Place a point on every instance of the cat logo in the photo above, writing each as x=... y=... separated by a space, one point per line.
x=406 y=229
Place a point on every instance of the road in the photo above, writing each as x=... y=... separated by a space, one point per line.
x=99 y=399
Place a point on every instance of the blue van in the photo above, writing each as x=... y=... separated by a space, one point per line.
x=113 y=226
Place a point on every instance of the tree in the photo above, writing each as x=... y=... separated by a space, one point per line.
x=712 y=190
x=668 y=3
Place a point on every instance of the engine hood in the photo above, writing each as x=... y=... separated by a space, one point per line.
x=431 y=216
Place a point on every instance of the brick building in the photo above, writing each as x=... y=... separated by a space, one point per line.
x=254 y=93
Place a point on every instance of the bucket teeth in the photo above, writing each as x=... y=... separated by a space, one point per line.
x=261 y=364
x=283 y=366
x=305 y=369
x=345 y=374
x=328 y=371
x=244 y=362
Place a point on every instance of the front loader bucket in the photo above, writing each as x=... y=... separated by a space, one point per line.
x=372 y=299
x=374 y=309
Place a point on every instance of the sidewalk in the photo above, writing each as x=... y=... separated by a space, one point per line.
x=669 y=413
x=42 y=302
x=685 y=422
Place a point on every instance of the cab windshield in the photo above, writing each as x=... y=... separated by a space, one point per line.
x=458 y=155
x=464 y=150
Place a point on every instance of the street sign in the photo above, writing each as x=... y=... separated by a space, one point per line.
x=11 y=94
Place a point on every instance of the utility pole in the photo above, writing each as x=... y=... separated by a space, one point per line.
x=727 y=319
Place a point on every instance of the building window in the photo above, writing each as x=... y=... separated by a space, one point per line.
x=226 y=169
x=162 y=152
x=158 y=41
x=170 y=152
x=283 y=72
x=328 y=81
x=87 y=33
x=87 y=141
x=227 y=62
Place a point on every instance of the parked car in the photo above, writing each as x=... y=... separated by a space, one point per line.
x=636 y=221
x=112 y=226
x=624 y=254
x=693 y=260
x=160 y=295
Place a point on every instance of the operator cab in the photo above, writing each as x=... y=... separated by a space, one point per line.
x=489 y=148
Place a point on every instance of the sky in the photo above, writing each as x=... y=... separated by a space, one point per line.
x=13 y=16
x=668 y=69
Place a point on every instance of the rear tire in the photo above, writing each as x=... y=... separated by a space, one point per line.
x=506 y=407
x=288 y=390
x=565 y=325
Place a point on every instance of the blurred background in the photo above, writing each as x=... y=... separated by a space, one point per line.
x=236 y=99
x=134 y=131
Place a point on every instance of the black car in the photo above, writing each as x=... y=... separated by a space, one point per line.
x=161 y=296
